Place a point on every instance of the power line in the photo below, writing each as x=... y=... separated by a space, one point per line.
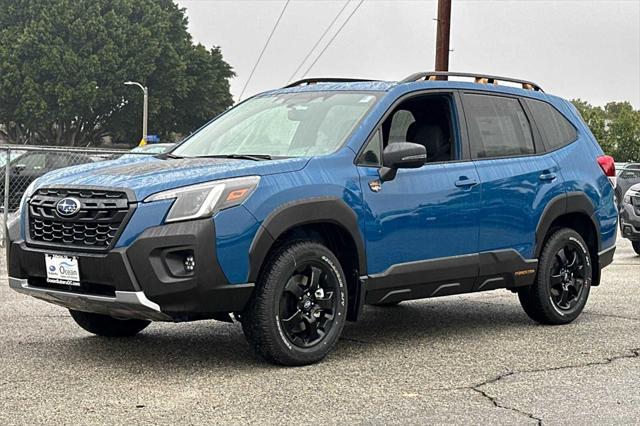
x=253 y=70
x=333 y=38
x=346 y=3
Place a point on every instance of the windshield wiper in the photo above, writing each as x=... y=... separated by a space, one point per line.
x=169 y=155
x=254 y=157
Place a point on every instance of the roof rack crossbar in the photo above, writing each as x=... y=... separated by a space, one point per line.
x=308 y=81
x=481 y=78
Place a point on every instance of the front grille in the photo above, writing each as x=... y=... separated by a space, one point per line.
x=94 y=227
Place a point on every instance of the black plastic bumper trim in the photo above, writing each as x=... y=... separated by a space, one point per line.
x=605 y=257
x=148 y=266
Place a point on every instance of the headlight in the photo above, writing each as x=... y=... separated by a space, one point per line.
x=627 y=196
x=27 y=194
x=205 y=199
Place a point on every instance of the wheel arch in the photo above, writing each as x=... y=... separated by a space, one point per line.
x=312 y=215
x=575 y=211
x=329 y=220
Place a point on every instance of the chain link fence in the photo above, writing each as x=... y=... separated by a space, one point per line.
x=20 y=165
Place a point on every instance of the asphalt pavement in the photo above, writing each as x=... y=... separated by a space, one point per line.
x=463 y=359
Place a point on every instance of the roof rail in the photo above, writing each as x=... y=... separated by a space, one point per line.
x=308 y=81
x=479 y=78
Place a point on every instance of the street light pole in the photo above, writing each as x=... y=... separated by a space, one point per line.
x=145 y=107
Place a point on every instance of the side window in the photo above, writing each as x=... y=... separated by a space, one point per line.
x=426 y=120
x=630 y=174
x=400 y=122
x=498 y=126
x=32 y=162
x=57 y=161
x=556 y=130
x=372 y=154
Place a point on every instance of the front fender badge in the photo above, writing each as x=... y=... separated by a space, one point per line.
x=375 y=185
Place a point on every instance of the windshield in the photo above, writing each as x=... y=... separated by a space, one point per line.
x=282 y=125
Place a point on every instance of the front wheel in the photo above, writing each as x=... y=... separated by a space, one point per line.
x=298 y=310
x=104 y=325
x=636 y=246
x=563 y=281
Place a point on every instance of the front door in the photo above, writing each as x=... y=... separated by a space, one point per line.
x=421 y=229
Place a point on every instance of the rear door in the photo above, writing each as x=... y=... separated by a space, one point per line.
x=518 y=179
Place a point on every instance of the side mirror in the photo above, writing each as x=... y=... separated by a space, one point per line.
x=401 y=155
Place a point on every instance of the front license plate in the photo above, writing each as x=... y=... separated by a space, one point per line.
x=62 y=269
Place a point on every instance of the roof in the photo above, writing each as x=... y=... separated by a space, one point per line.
x=438 y=79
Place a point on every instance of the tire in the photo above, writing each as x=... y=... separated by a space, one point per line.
x=563 y=281
x=104 y=325
x=636 y=246
x=299 y=306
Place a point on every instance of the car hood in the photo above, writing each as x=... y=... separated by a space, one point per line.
x=635 y=187
x=147 y=175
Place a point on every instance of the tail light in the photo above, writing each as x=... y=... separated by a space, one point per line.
x=608 y=166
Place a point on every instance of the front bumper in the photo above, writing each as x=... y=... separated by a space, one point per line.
x=125 y=304
x=146 y=280
x=630 y=221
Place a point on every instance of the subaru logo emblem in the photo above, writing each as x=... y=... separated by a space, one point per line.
x=68 y=206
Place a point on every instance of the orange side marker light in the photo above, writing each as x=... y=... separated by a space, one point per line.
x=237 y=194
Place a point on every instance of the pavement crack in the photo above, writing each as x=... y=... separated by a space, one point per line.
x=496 y=403
x=631 y=353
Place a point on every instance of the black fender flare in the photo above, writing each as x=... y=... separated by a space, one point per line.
x=571 y=202
x=303 y=212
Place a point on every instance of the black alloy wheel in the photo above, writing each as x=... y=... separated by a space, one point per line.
x=299 y=307
x=567 y=276
x=308 y=304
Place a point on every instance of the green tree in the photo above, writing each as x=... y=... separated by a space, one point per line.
x=63 y=64
x=624 y=130
x=616 y=127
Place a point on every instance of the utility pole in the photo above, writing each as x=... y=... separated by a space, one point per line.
x=442 y=36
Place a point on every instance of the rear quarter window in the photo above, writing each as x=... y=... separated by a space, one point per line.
x=555 y=129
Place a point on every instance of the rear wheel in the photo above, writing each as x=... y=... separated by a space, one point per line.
x=104 y=325
x=563 y=281
x=298 y=310
x=636 y=246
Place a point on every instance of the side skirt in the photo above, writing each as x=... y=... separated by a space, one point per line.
x=449 y=275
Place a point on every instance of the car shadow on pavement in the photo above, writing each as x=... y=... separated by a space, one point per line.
x=437 y=318
x=205 y=345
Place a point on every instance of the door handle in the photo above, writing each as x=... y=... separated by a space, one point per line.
x=547 y=175
x=465 y=182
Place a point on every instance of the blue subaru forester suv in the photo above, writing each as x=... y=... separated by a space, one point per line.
x=295 y=208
